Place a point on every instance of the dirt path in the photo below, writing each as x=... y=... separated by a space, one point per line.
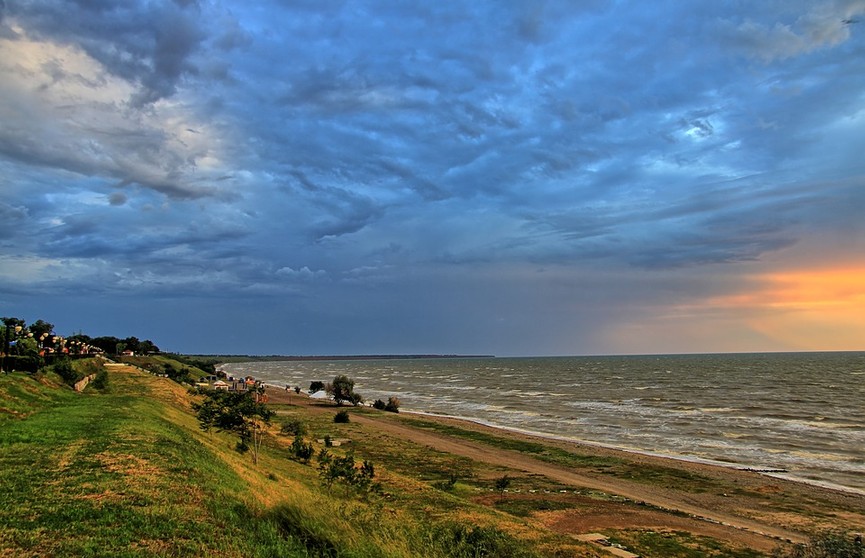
x=767 y=536
x=703 y=519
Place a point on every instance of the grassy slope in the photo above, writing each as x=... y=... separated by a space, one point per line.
x=128 y=473
x=113 y=474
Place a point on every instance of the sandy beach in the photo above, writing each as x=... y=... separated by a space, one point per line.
x=744 y=508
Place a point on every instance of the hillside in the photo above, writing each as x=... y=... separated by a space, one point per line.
x=126 y=471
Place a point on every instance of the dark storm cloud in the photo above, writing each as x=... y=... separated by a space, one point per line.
x=313 y=149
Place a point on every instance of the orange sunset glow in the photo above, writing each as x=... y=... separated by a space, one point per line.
x=808 y=309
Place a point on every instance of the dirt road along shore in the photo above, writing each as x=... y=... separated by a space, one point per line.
x=726 y=518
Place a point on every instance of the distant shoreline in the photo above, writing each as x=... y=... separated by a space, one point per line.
x=273 y=358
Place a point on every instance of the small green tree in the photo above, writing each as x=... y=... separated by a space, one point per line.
x=302 y=450
x=342 y=389
x=502 y=484
x=240 y=412
x=343 y=469
x=294 y=427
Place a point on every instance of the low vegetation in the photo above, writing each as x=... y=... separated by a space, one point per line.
x=130 y=472
x=242 y=413
x=391 y=406
x=140 y=465
x=828 y=544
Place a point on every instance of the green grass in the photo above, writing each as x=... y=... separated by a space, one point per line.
x=126 y=472
x=612 y=466
x=111 y=476
x=22 y=394
x=157 y=363
x=525 y=507
x=678 y=544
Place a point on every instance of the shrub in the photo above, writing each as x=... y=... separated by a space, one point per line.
x=341 y=417
x=448 y=485
x=830 y=544
x=392 y=404
x=100 y=382
x=503 y=483
x=461 y=541
x=24 y=363
x=302 y=451
x=316 y=386
x=294 y=428
x=181 y=376
x=63 y=368
x=343 y=469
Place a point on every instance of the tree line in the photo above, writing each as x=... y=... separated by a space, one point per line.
x=30 y=347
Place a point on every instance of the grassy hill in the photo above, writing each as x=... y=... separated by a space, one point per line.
x=126 y=471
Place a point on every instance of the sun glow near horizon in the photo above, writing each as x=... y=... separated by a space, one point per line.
x=805 y=309
x=796 y=309
x=813 y=309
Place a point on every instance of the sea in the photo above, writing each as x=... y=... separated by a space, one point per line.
x=793 y=415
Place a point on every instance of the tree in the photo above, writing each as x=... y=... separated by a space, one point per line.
x=502 y=484
x=342 y=389
x=239 y=412
x=40 y=327
x=12 y=327
x=147 y=347
x=13 y=322
x=107 y=344
x=302 y=450
x=316 y=386
x=343 y=469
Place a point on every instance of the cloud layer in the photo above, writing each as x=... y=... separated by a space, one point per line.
x=476 y=177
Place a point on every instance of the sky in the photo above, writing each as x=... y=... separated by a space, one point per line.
x=464 y=177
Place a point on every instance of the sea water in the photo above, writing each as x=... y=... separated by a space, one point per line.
x=801 y=415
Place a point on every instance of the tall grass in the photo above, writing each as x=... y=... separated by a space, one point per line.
x=126 y=472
